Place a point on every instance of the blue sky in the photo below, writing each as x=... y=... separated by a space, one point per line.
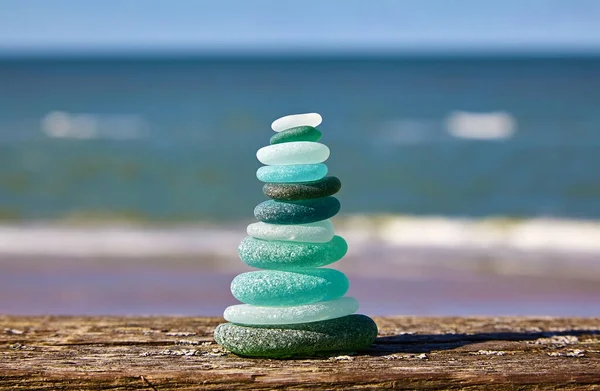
x=308 y=25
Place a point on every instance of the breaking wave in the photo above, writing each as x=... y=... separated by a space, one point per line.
x=549 y=247
x=481 y=126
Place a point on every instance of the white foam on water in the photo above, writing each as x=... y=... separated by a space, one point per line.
x=481 y=126
x=539 y=234
x=60 y=124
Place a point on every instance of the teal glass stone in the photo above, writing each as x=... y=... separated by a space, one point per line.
x=322 y=310
x=346 y=334
x=289 y=288
x=292 y=173
x=282 y=255
x=299 y=133
x=297 y=212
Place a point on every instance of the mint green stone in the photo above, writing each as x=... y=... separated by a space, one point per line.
x=297 y=152
x=299 y=133
x=283 y=288
x=291 y=173
x=282 y=255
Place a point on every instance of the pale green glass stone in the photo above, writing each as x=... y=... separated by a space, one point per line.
x=292 y=173
x=322 y=310
x=280 y=255
x=319 y=232
x=282 y=288
x=296 y=152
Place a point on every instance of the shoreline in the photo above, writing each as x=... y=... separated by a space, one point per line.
x=71 y=286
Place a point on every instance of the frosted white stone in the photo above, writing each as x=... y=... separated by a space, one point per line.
x=291 y=121
x=319 y=232
x=297 y=152
x=322 y=310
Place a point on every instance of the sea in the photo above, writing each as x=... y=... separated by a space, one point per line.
x=470 y=184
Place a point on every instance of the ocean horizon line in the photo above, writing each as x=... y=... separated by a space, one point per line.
x=7 y=54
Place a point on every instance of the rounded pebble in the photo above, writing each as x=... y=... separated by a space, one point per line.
x=282 y=288
x=292 y=121
x=319 y=232
x=297 y=152
x=279 y=255
x=299 y=133
x=300 y=191
x=346 y=334
x=297 y=212
x=258 y=315
x=292 y=173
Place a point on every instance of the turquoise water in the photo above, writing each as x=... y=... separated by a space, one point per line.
x=175 y=139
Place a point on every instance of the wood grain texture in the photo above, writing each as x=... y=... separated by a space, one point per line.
x=166 y=353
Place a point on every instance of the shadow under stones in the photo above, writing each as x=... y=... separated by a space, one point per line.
x=426 y=343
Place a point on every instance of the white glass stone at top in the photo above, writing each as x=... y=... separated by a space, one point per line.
x=291 y=121
x=296 y=152
x=319 y=232
x=322 y=310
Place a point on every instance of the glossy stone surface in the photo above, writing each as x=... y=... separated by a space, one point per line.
x=297 y=152
x=292 y=173
x=247 y=314
x=292 y=121
x=299 y=133
x=319 y=232
x=300 y=191
x=282 y=288
x=345 y=334
x=297 y=212
x=279 y=255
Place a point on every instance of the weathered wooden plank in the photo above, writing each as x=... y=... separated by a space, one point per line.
x=164 y=353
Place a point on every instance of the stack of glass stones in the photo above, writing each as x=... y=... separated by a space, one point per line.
x=294 y=306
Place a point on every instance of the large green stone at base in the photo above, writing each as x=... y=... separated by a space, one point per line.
x=349 y=333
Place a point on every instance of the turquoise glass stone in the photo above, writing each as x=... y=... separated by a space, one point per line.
x=292 y=173
x=297 y=212
x=299 y=133
x=347 y=334
x=283 y=288
x=280 y=255
x=257 y=315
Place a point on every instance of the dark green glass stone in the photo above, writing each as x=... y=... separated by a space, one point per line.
x=299 y=133
x=297 y=212
x=303 y=190
x=346 y=334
